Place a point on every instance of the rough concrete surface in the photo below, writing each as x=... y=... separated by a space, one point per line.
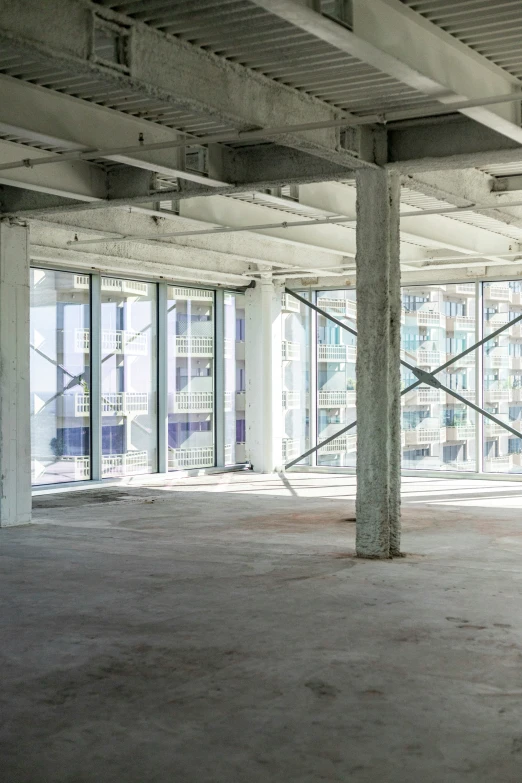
x=220 y=630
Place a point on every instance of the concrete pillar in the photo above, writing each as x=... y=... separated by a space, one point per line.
x=378 y=368
x=263 y=369
x=15 y=430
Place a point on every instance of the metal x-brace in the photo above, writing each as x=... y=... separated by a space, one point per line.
x=422 y=377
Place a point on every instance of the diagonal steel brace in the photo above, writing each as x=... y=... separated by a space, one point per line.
x=422 y=376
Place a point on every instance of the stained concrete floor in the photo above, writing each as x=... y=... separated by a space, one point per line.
x=220 y=630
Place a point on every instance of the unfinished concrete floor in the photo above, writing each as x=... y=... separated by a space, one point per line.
x=219 y=630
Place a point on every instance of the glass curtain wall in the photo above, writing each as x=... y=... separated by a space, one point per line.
x=437 y=324
x=60 y=376
x=502 y=358
x=235 y=379
x=128 y=377
x=190 y=332
x=295 y=326
x=336 y=356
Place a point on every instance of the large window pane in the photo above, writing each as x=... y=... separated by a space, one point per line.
x=128 y=377
x=235 y=379
x=60 y=376
x=296 y=377
x=336 y=355
x=190 y=323
x=502 y=377
x=438 y=323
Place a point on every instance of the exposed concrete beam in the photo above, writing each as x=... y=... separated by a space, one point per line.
x=507 y=184
x=395 y=40
x=169 y=70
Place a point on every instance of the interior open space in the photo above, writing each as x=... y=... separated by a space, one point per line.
x=260 y=391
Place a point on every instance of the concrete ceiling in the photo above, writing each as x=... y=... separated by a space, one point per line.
x=87 y=89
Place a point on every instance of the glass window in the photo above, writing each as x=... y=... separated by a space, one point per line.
x=502 y=366
x=296 y=374
x=336 y=355
x=60 y=376
x=190 y=326
x=235 y=379
x=433 y=420
x=128 y=377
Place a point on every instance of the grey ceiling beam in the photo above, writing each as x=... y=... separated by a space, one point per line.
x=169 y=71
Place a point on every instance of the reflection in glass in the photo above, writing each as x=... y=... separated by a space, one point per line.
x=502 y=377
x=438 y=431
x=128 y=377
x=60 y=376
x=296 y=377
x=235 y=380
x=190 y=325
x=336 y=355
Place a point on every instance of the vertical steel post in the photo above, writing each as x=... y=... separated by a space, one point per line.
x=479 y=377
x=312 y=375
x=95 y=391
x=219 y=365
x=163 y=357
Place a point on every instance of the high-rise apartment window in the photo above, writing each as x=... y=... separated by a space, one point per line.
x=190 y=370
x=128 y=377
x=60 y=376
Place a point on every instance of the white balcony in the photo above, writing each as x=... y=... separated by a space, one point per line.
x=336 y=307
x=291 y=449
x=194 y=402
x=515 y=331
x=499 y=464
x=229 y=348
x=464 y=361
x=289 y=304
x=113 y=341
x=499 y=293
x=496 y=395
x=515 y=362
x=81 y=466
x=465 y=288
x=290 y=351
x=291 y=399
x=195 y=346
x=497 y=360
x=343 y=444
x=336 y=353
x=336 y=399
x=124 y=286
x=468 y=394
x=429 y=358
x=425 y=318
x=82 y=281
x=229 y=401
x=422 y=397
x=200 y=457
x=492 y=430
x=191 y=293
x=125 y=464
x=460 y=432
x=114 y=404
x=424 y=436
x=461 y=323
x=495 y=321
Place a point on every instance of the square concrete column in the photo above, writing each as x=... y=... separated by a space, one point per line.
x=15 y=429
x=378 y=368
x=263 y=368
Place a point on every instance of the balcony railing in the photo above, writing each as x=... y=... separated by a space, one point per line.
x=335 y=399
x=191 y=293
x=194 y=346
x=460 y=432
x=465 y=288
x=290 y=351
x=114 y=404
x=335 y=306
x=427 y=318
x=125 y=464
x=81 y=281
x=496 y=395
x=229 y=400
x=461 y=323
x=113 y=341
x=424 y=435
x=291 y=449
x=194 y=402
x=344 y=443
x=422 y=397
x=430 y=358
x=501 y=293
x=492 y=430
x=290 y=304
x=497 y=360
x=291 y=399
x=336 y=353
x=465 y=361
x=199 y=457
x=125 y=286
x=81 y=466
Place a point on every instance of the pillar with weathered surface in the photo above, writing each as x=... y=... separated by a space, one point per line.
x=263 y=406
x=378 y=369
x=15 y=431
